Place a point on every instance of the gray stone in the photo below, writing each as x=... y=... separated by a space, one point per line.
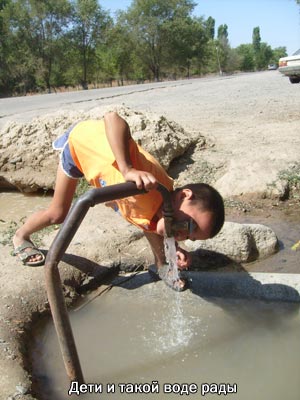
x=240 y=242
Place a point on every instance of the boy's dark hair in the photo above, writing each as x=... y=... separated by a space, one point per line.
x=210 y=200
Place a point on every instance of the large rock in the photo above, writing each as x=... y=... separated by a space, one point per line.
x=164 y=139
x=240 y=242
x=28 y=162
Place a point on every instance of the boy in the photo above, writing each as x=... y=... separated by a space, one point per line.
x=104 y=152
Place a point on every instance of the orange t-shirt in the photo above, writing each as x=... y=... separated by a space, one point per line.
x=93 y=156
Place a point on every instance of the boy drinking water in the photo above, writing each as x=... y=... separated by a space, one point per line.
x=104 y=152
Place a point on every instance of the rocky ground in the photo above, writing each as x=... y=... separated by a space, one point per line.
x=240 y=133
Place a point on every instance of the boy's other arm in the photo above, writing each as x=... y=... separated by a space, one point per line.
x=118 y=136
x=184 y=259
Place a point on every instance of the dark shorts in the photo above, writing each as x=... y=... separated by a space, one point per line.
x=66 y=161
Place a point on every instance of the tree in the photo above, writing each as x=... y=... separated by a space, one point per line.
x=210 y=27
x=152 y=23
x=35 y=29
x=222 y=47
x=20 y=62
x=264 y=56
x=246 y=55
x=5 y=79
x=277 y=53
x=186 y=45
x=89 y=24
x=121 y=45
x=256 y=44
x=262 y=51
x=256 y=39
x=48 y=21
x=223 y=32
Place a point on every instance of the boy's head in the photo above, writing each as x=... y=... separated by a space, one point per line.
x=202 y=207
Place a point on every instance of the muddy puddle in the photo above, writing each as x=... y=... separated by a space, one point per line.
x=16 y=207
x=142 y=332
x=286 y=226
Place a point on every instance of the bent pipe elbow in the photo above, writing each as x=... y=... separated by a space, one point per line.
x=166 y=195
x=78 y=212
x=168 y=211
x=67 y=231
x=90 y=199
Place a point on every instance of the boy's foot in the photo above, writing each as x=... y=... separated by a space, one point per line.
x=164 y=273
x=29 y=254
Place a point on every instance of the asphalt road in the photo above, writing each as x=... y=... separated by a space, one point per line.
x=23 y=109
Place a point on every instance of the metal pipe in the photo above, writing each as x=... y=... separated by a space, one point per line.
x=167 y=209
x=58 y=248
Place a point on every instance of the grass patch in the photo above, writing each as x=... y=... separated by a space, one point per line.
x=291 y=175
x=7 y=234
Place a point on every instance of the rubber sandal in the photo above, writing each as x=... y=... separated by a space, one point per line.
x=25 y=255
x=163 y=273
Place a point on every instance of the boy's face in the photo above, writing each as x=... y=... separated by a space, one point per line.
x=185 y=210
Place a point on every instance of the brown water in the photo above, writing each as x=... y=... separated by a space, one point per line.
x=143 y=332
x=15 y=206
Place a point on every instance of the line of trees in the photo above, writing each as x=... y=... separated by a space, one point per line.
x=69 y=43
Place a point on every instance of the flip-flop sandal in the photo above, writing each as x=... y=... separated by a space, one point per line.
x=163 y=273
x=24 y=256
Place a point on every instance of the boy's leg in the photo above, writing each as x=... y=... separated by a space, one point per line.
x=54 y=214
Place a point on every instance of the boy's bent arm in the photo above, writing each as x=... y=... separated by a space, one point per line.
x=118 y=136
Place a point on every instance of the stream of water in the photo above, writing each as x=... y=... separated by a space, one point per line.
x=170 y=253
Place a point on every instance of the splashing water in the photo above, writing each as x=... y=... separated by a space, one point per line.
x=170 y=253
x=175 y=329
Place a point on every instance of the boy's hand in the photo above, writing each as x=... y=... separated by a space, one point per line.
x=142 y=179
x=184 y=259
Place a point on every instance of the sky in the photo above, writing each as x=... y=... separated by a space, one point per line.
x=278 y=20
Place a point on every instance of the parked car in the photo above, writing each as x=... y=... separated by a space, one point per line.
x=272 y=67
x=290 y=66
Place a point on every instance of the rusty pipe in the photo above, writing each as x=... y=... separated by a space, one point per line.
x=167 y=209
x=58 y=248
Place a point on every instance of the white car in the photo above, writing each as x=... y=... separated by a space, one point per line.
x=290 y=66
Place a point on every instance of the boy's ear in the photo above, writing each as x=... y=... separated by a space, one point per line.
x=187 y=194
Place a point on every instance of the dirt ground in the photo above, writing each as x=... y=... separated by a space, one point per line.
x=251 y=126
